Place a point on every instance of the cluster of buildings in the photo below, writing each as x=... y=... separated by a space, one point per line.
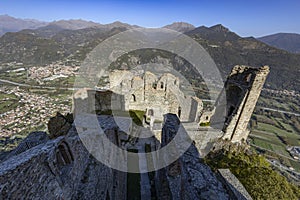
x=51 y=72
x=283 y=92
x=295 y=152
x=33 y=110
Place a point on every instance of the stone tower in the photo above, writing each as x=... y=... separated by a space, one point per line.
x=243 y=88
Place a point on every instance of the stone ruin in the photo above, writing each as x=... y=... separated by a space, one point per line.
x=62 y=168
x=189 y=178
x=155 y=95
x=242 y=88
x=158 y=96
x=146 y=92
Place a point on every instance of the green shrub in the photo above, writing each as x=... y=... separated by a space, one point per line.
x=205 y=124
x=255 y=173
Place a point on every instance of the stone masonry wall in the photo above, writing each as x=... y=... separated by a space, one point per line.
x=243 y=88
x=187 y=178
x=60 y=169
x=161 y=95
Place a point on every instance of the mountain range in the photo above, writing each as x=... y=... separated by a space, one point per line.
x=11 y=24
x=286 y=41
x=73 y=39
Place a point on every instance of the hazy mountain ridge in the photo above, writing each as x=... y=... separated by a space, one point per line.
x=228 y=49
x=38 y=49
x=49 y=29
x=11 y=24
x=286 y=41
x=74 y=24
x=52 y=43
x=180 y=26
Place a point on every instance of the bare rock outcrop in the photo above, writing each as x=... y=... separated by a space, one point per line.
x=60 y=125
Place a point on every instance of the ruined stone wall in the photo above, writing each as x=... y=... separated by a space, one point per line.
x=92 y=101
x=186 y=178
x=243 y=88
x=27 y=176
x=206 y=116
x=160 y=95
x=195 y=106
x=233 y=185
x=156 y=96
x=59 y=169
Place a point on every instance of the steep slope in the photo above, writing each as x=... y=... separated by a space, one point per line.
x=50 y=44
x=217 y=33
x=286 y=41
x=29 y=49
x=228 y=49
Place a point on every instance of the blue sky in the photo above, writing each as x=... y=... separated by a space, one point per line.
x=247 y=18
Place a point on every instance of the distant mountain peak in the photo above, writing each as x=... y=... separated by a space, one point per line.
x=119 y=24
x=219 y=28
x=180 y=26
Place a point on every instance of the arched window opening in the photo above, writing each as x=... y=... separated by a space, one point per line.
x=133 y=98
x=154 y=85
x=179 y=111
x=161 y=85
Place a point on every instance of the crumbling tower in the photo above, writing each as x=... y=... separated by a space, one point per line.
x=243 y=88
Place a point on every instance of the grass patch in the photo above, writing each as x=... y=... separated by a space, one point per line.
x=19 y=77
x=280 y=150
x=278 y=132
x=136 y=115
x=62 y=82
x=262 y=143
x=8 y=102
x=295 y=165
x=205 y=124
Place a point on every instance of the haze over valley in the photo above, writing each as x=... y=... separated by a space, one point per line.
x=245 y=148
